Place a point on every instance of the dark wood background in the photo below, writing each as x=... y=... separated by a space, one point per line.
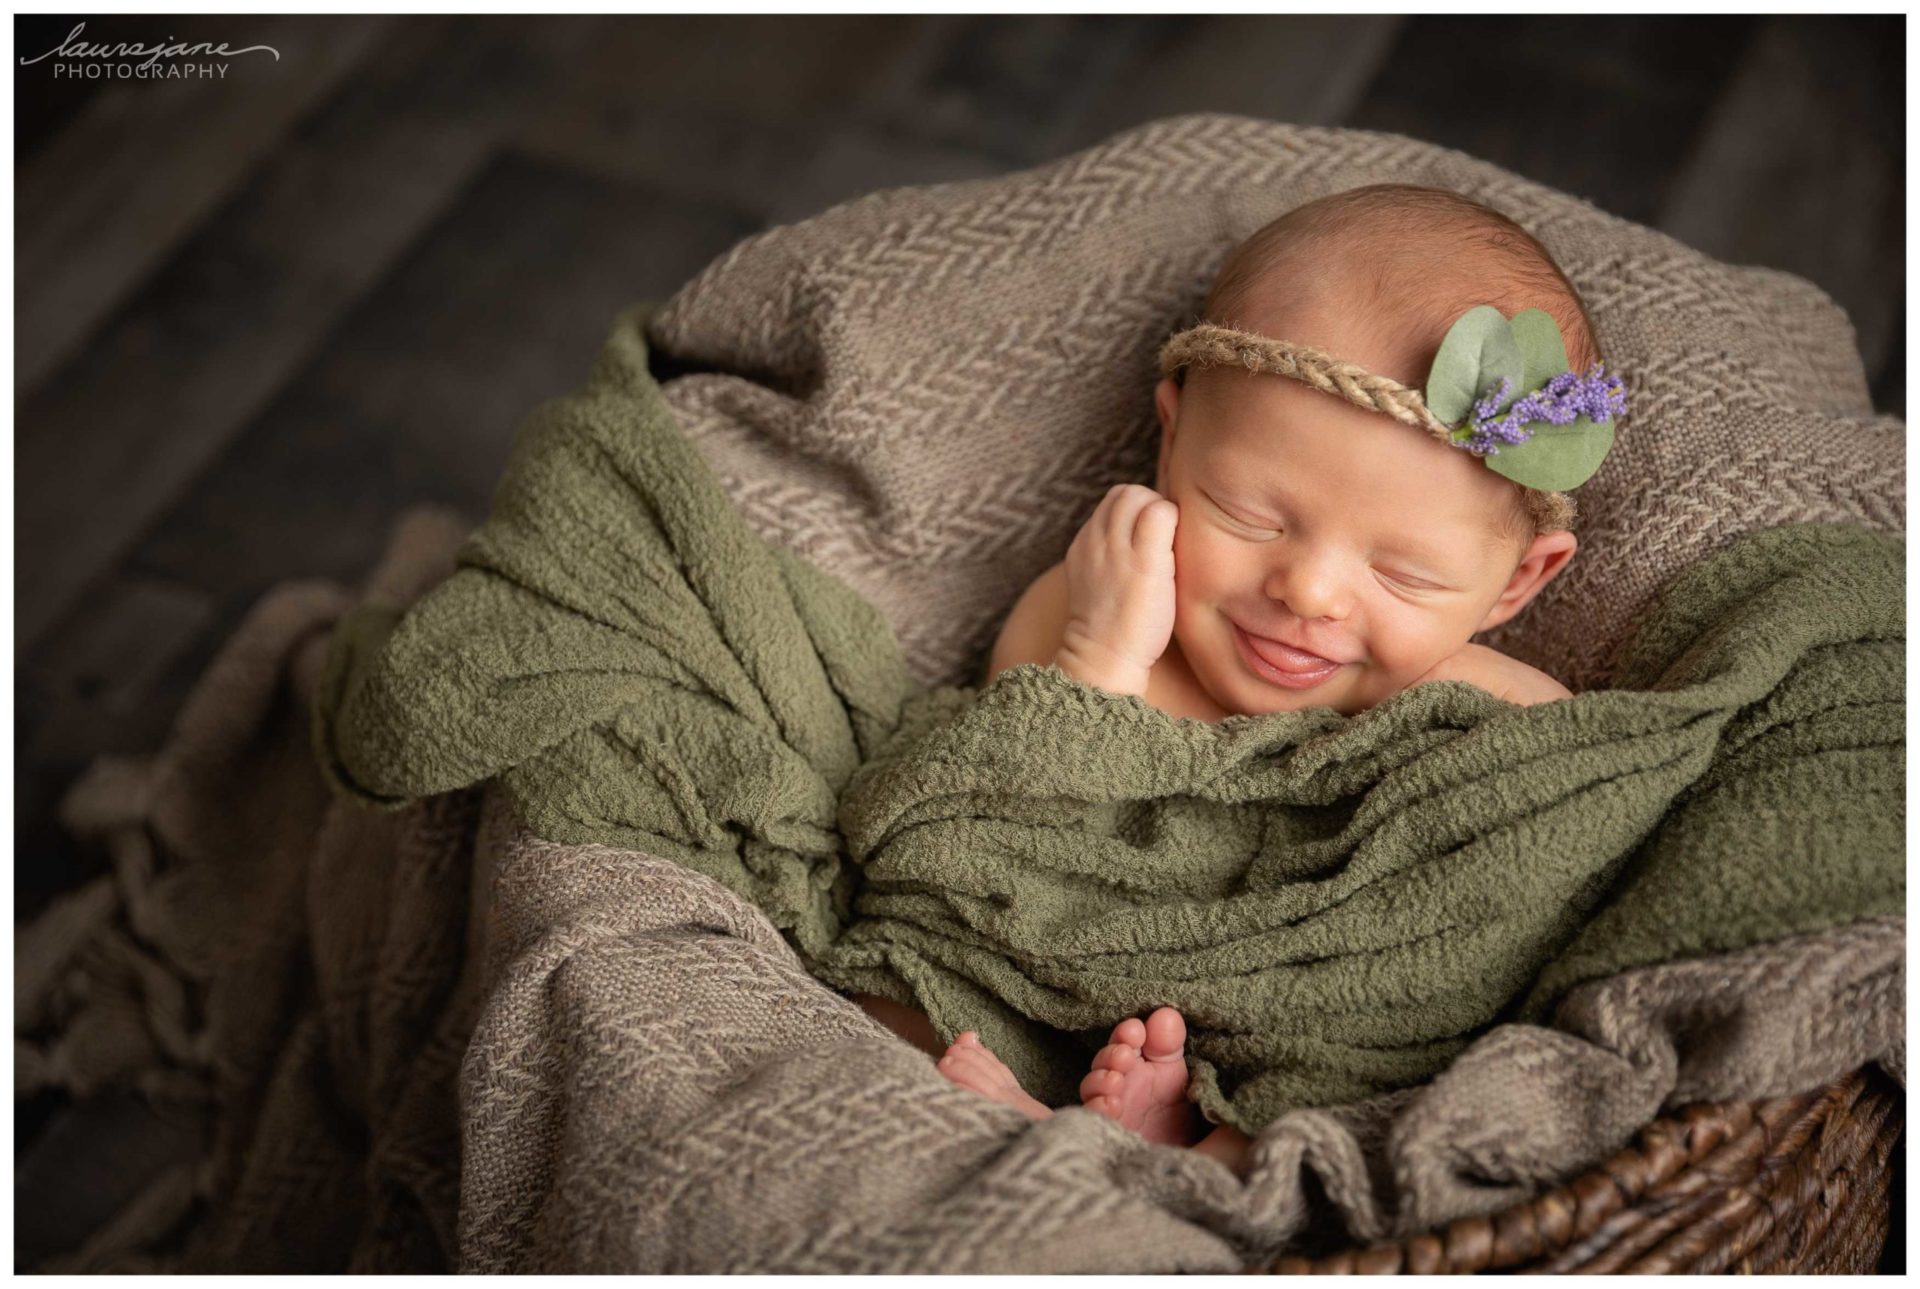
x=257 y=317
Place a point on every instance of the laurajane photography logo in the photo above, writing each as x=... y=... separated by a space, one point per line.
x=81 y=61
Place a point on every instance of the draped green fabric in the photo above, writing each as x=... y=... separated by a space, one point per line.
x=1337 y=904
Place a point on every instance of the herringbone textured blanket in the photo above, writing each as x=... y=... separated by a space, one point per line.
x=926 y=391
x=646 y=1078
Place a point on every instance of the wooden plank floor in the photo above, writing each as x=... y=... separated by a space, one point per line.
x=332 y=290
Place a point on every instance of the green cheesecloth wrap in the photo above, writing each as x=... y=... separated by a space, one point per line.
x=1337 y=904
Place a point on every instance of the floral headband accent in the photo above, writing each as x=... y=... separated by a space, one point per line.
x=1559 y=429
x=1499 y=388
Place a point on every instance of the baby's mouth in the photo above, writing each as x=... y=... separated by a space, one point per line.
x=1282 y=664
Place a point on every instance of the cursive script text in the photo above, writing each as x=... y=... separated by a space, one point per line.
x=73 y=47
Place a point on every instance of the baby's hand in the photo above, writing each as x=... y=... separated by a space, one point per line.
x=1120 y=590
x=1499 y=675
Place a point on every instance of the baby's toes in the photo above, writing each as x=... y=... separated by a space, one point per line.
x=960 y=1056
x=1100 y=1083
x=970 y=1068
x=1131 y=1032
x=972 y=1058
x=1166 y=1035
x=1117 y=1057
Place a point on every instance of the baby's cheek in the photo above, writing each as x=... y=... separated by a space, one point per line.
x=1193 y=576
x=1197 y=565
x=1185 y=584
x=1403 y=649
x=1183 y=560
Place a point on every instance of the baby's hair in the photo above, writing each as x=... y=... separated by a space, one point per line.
x=1380 y=243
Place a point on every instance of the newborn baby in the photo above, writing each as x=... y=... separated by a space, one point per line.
x=1297 y=550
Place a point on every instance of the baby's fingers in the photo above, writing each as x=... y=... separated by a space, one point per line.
x=1109 y=517
x=1120 y=509
x=1123 y=505
x=1094 y=530
x=1153 y=531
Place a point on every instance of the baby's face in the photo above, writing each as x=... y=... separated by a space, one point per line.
x=1325 y=555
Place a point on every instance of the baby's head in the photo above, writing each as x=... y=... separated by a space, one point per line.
x=1335 y=530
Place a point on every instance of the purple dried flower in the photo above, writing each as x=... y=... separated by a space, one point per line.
x=1489 y=405
x=1596 y=396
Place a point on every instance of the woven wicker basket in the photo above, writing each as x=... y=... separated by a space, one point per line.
x=1799 y=1184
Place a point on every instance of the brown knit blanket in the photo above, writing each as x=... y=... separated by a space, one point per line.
x=429 y=1040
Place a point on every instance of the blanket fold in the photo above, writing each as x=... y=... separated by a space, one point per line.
x=1337 y=904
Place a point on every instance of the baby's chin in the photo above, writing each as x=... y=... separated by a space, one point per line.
x=1301 y=700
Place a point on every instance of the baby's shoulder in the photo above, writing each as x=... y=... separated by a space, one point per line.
x=1499 y=675
x=1035 y=628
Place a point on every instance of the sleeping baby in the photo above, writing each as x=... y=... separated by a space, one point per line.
x=1299 y=548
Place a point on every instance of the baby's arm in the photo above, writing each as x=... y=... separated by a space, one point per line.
x=1503 y=677
x=1033 y=630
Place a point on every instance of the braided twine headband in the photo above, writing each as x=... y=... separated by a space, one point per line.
x=1209 y=345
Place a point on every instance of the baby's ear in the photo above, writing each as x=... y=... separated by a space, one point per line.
x=1166 y=401
x=1546 y=555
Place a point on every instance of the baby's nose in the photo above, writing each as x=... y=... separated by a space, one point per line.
x=1310 y=589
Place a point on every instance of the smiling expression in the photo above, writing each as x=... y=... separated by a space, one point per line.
x=1325 y=555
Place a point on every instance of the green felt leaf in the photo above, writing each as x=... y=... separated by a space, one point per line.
x=1478 y=351
x=1557 y=457
x=1543 y=354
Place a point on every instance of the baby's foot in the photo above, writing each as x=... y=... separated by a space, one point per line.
x=971 y=1065
x=1140 y=1078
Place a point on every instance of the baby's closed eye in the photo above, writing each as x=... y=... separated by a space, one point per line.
x=1241 y=524
x=1408 y=581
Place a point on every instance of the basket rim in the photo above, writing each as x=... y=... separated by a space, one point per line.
x=1678 y=1170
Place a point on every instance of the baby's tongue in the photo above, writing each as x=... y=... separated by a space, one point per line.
x=1286 y=657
